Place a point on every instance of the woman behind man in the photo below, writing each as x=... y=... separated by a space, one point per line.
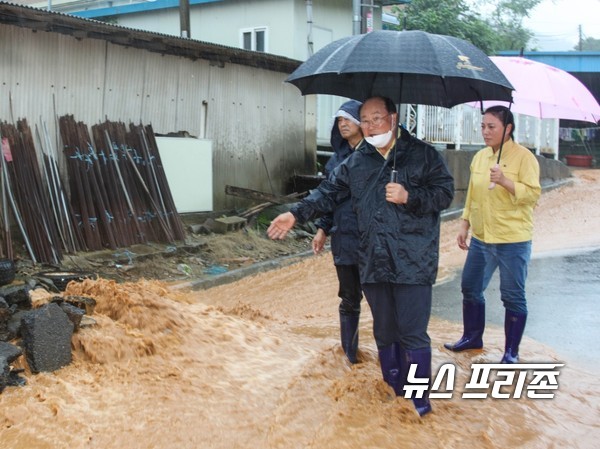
x=500 y=218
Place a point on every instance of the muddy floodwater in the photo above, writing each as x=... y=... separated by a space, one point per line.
x=257 y=364
x=211 y=370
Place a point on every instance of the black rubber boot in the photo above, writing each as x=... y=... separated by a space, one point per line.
x=514 y=325
x=474 y=325
x=349 y=336
x=422 y=358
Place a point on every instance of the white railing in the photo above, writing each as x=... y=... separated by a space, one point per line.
x=459 y=126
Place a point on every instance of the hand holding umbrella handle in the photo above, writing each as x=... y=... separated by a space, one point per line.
x=493 y=184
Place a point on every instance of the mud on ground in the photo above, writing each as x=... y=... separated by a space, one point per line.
x=198 y=256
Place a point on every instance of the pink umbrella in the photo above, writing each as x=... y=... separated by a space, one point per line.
x=544 y=91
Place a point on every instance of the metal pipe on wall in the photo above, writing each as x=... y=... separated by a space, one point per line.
x=309 y=23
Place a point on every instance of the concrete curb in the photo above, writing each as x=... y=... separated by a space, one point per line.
x=235 y=275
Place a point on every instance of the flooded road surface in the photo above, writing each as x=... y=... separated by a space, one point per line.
x=563 y=295
x=256 y=364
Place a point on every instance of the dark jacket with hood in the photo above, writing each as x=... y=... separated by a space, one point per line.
x=342 y=225
x=398 y=243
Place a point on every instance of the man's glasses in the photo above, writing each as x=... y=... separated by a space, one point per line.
x=374 y=123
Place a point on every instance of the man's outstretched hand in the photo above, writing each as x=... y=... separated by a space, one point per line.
x=281 y=225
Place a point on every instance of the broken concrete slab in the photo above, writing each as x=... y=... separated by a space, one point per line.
x=9 y=351
x=9 y=376
x=46 y=334
x=5 y=314
x=74 y=313
x=228 y=224
x=14 y=324
x=17 y=294
x=199 y=229
x=84 y=303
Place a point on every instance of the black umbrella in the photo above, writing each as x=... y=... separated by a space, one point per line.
x=406 y=66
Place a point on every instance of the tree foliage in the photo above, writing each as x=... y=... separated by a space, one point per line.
x=507 y=20
x=491 y=25
x=588 y=44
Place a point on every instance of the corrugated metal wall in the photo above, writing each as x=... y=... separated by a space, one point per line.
x=256 y=121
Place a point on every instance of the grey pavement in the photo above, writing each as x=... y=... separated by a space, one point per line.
x=563 y=298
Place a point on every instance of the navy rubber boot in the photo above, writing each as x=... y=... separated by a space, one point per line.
x=474 y=325
x=349 y=336
x=391 y=368
x=514 y=325
x=401 y=356
x=422 y=358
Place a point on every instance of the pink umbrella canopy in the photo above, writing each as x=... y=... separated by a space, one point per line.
x=544 y=91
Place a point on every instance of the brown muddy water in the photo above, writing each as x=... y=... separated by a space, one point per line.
x=257 y=364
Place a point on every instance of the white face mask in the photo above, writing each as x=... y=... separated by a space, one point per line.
x=379 y=140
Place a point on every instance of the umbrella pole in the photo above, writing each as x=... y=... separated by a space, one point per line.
x=394 y=173
x=493 y=184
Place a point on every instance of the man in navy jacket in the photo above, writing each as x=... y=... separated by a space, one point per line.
x=346 y=135
x=398 y=186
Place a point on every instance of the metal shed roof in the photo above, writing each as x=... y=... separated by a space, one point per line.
x=569 y=61
x=37 y=19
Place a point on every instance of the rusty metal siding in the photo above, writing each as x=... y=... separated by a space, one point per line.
x=253 y=120
x=79 y=75
x=50 y=75
x=124 y=87
x=192 y=92
x=248 y=112
x=25 y=75
x=159 y=95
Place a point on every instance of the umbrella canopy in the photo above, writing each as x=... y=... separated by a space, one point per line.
x=544 y=91
x=407 y=66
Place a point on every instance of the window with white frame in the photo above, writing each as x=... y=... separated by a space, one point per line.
x=254 y=39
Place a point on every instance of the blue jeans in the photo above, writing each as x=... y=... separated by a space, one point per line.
x=512 y=259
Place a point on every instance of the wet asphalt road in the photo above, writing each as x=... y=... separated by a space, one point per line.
x=563 y=298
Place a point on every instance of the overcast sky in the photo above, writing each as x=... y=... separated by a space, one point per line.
x=556 y=23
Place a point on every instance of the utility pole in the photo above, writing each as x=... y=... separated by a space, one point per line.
x=404 y=3
x=580 y=38
x=184 y=18
x=356 y=17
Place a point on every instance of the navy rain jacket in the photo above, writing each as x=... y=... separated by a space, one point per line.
x=342 y=225
x=398 y=243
